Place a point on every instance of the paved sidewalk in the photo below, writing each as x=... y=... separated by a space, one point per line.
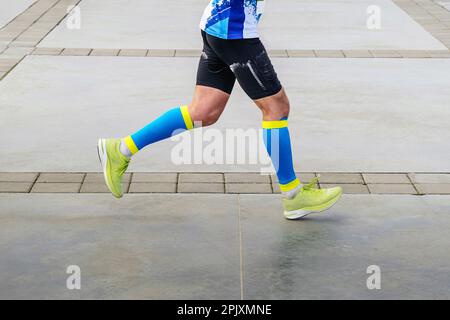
x=104 y=27
x=222 y=247
x=370 y=112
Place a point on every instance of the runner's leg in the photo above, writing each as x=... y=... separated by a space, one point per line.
x=248 y=60
x=215 y=82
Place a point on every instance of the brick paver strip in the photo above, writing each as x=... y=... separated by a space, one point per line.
x=201 y=188
x=340 y=178
x=22 y=51
x=201 y=178
x=433 y=188
x=15 y=187
x=155 y=177
x=430 y=15
x=143 y=182
x=246 y=178
x=386 y=178
x=56 y=187
x=61 y=177
x=429 y=178
x=32 y=25
x=154 y=187
x=348 y=188
x=392 y=188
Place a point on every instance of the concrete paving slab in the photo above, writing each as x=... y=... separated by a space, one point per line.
x=325 y=256
x=348 y=115
x=141 y=247
x=11 y=9
x=321 y=25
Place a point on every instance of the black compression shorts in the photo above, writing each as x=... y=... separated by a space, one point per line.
x=223 y=61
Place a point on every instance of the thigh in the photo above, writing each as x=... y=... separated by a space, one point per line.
x=207 y=101
x=212 y=71
x=251 y=65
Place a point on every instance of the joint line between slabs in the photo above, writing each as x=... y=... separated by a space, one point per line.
x=241 y=255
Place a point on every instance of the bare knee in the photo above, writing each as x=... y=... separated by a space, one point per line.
x=204 y=113
x=275 y=107
x=207 y=105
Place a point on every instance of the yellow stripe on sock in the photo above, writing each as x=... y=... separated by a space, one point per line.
x=186 y=117
x=131 y=145
x=289 y=186
x=274 y=124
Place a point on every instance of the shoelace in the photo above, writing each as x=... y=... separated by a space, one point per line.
x=312 y=185
x=123 y=167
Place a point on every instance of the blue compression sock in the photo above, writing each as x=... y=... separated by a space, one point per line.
x=161 y=128
x=278 y=145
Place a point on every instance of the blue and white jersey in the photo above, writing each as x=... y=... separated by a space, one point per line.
x=232 y=19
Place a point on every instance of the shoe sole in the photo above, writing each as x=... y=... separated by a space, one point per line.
x=301 y=213
x=103 y=157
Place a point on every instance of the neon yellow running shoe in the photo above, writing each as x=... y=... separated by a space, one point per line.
x=114 y=164
x=310 y=199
